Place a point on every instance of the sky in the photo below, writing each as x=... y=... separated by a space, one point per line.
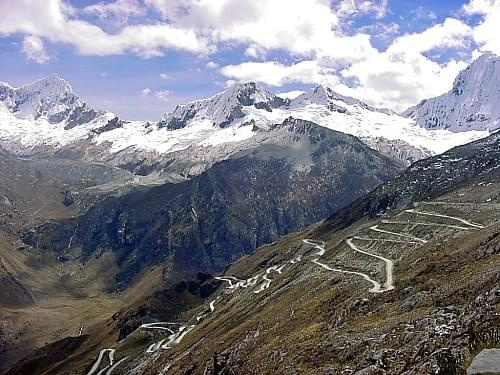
x=140 y=58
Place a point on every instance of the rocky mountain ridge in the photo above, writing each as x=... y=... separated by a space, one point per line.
x=299 y=175
x=50 y=98
x=403 y=280
x=47 y=117
x=472 y=104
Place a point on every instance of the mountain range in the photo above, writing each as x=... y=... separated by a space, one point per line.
x=403 y=280
x=195 y=244
x=47 y=116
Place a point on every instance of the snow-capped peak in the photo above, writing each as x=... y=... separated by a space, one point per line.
x=472 y=104
x=6 y=85
x=222 y=108
x=50 y=85
x=320 y=94
x=324 y=95
x=51 y=98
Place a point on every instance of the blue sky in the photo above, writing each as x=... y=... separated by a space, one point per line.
x=139 y=58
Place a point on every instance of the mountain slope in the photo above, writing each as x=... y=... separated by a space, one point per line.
x=108 y=241
x=425 y=179
x=472 y=104
x=47 y=118
x=439 y=249
x=301 y=173
x=37 y=305
x=406 y=284
x=50 y=98
x=224 y=108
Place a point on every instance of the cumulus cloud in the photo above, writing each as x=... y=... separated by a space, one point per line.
x=486 y=33
x=212 y=65
x=452 y=33
x=277 y=74
x=34 y=49
x=314 y=34
x=359 y=7
x=55 y=20
x=116 y=14
x=161 y=95
x=262 y=24
x=117 y=8
x=397 y=78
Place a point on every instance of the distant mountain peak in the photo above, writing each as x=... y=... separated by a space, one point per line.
x=473 y=103
x=52 y=79
x=51 y=98
x=224 y=107
x=248 y=93
x=326 y=96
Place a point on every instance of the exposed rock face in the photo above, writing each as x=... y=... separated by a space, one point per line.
x=397 y=149
x=223 y=108
x=47 y=117
x=326 y=96
x=472 y=104
x=311 y=303
x=486 y=362
x=425 y=179
x=51 y=98
x=300 y=175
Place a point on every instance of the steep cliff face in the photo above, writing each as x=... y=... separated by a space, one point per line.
x=47 y=117
x=223 y=108
x=403 y=280
x=51 y=98
x=302 y=174
x=472 y=104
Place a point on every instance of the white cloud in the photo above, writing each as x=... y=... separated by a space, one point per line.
x=299 y=27
x=350 y=8
x=486 y=33
x=311 y=32
x=121 y=8
x=34 y=49
x=161 y=95
x=164 y=76
x=381 y=31
x=452 y=33
x=255 y=52
x=55 y=20
x=117 y=12
x=197 y=26
x=276 y=74
x=397 y=78
x=212 y=65
x=421 y=13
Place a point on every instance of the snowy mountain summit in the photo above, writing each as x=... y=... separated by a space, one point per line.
x=51 y=98
x=472 y=104
x=47 y=115
x=332 y=100
x=223 y=108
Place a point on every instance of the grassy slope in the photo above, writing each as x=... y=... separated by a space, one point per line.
x=311 y=321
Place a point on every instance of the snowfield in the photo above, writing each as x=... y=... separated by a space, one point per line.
x=48 y=113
